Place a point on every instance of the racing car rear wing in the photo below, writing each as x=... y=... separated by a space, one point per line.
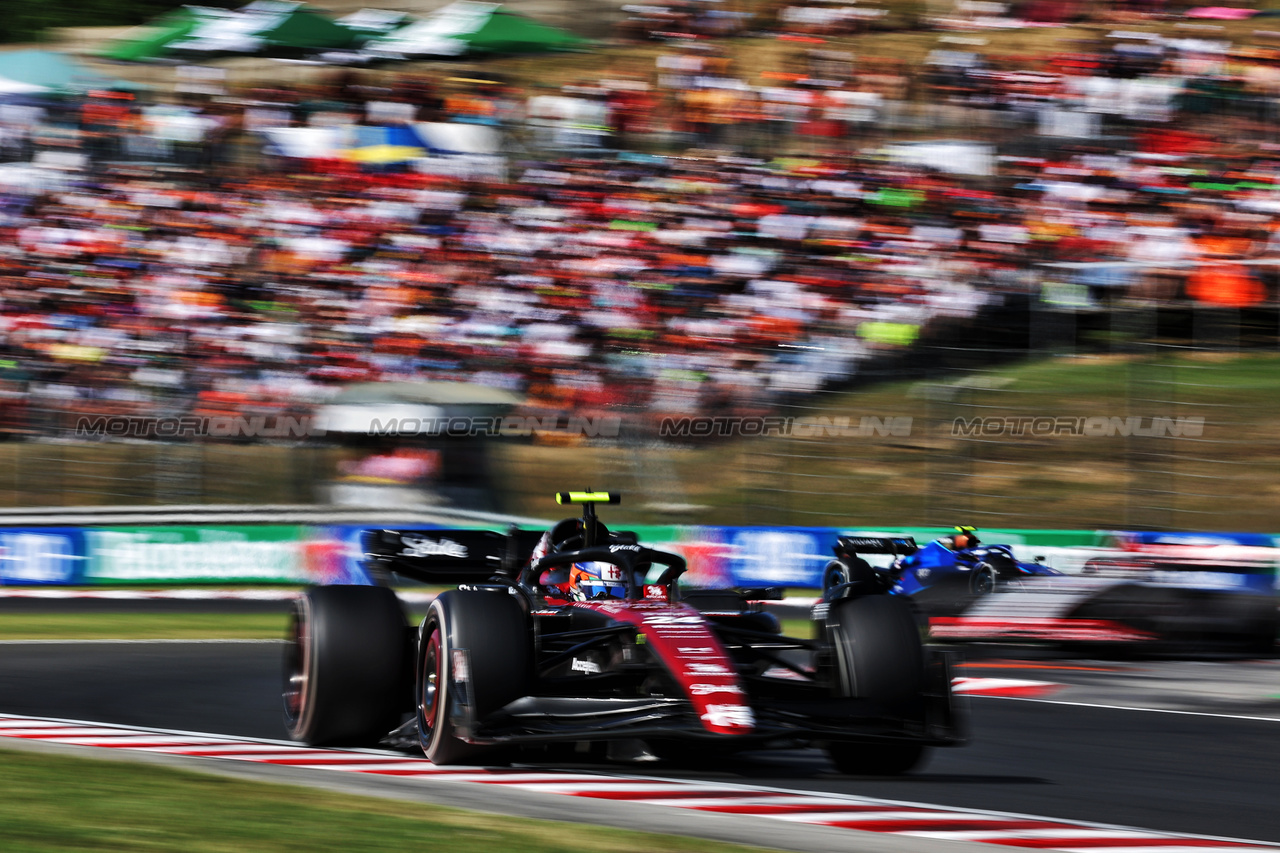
x=896 y=545
x=448 y=556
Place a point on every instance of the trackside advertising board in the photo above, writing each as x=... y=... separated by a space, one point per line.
x=248 y=553
x=795 y=556
x=42 y=555
x=329 y=554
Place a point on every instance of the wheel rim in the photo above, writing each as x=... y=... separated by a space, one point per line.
x=432 y=673
x=985 y=582
x=297 y=674
x=836 y=575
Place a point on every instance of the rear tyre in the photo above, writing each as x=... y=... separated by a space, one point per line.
x=344 y=666
x=848 y=570
x=879 y=658
x=493 y=629
x=835 y=573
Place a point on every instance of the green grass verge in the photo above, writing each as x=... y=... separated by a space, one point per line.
x=148 y=626
x=797 y=628
x=183 y=626
x=52 y=803
x=142 y=626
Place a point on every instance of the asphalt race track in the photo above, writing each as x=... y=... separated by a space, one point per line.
x=1200 y=763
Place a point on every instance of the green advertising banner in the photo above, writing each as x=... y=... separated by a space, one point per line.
x=212 y=554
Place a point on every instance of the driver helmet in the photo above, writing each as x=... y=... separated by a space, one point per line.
x=964 y=537
x=586 y=580
x=566 y=536
x=594 y=580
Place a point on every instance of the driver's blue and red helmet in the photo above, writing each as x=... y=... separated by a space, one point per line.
x=587 y=580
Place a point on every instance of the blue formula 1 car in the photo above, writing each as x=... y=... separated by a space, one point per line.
x=1167 y=598
x=943 y=577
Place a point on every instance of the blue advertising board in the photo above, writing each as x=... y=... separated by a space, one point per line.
x=42 y=556
x=778 y=556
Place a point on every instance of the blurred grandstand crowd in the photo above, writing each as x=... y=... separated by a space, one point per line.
x=157 y=260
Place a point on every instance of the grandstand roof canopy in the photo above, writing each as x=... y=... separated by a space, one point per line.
x=289 y=28
x=152 y=39
x=469 y=27
x=280 y=27
x=47 y=72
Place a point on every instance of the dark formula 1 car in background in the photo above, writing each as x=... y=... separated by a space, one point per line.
x=1171 y=604
x=1173 y=598
x=521 y=654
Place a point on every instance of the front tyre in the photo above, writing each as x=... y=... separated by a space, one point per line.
x=344 y=666
x=490 y=632
x=984 y=579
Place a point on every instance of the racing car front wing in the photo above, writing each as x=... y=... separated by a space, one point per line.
x=937 y=721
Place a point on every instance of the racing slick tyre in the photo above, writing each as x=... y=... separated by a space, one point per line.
x=345 y=666
x=835 y=573
x=984 y=579
x=474 y=656
x=879 y=657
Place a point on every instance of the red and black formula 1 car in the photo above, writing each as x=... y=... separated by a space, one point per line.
x=582 y=635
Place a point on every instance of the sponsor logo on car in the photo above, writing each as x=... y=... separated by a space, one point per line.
x=673 y=620
x=729 y=716
x=707 y=689
x=708 y=669
x=415 y=546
